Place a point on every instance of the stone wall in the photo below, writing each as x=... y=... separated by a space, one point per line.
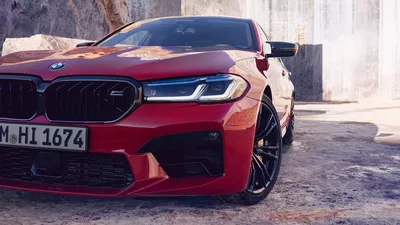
x=39 y=41
x=82 y=19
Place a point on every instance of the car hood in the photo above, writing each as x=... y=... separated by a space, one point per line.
x=141 y=63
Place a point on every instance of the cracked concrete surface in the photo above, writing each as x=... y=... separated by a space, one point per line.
x=343 y=168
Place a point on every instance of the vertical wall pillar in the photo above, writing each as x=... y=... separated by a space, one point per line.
x=318 y=22
x=388 y=46
x=348 y=70
x=396 y=78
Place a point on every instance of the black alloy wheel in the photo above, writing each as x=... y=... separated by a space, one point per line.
x=266 y=158
x=266 y=152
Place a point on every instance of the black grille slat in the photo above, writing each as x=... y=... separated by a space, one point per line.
x=60 y=102
x=20 y=94
x=10 y=108
x=93 y=170
x=89 y=100
x=18 y=99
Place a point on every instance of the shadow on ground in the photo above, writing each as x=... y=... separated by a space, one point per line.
x=331 y=166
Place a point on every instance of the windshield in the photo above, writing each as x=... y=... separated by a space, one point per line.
x=186 y=32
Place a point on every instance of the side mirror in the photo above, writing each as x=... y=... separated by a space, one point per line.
x=85 y=44
x=281 y=49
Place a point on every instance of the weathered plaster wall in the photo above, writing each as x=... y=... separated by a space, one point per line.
x=389 y=46
x=213 y=7
x=349 y=34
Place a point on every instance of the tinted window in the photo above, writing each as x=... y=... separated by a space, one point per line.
x=188 y=32
x=134 y=39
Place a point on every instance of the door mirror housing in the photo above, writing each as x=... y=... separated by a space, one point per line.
x=281 y=49
x=85 y=44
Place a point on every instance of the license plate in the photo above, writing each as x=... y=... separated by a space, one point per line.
x=44 y=136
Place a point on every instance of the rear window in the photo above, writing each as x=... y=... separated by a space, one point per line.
x=186 y=32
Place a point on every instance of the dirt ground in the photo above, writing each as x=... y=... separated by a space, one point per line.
x=343 y=168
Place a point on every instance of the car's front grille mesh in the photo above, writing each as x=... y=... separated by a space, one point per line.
x=86 y=99
x=18 y=99
x=89 y=101
x=92 y=170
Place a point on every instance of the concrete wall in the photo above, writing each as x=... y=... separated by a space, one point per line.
x=349 y=48
x=389 y=45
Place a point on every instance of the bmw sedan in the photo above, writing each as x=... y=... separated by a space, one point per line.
x=164 y=107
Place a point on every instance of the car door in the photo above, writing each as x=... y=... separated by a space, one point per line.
x=289 y=89
x=277 y=77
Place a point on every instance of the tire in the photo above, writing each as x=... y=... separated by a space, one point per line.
x=249 y=196
x=289 y=136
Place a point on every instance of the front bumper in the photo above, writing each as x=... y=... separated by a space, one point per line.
x=235 y=121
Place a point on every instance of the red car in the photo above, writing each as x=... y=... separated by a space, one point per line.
x=163 y=107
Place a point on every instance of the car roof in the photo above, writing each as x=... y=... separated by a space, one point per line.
x=195 y=18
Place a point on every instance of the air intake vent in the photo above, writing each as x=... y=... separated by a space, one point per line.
x=92 y=170
x=188 y=154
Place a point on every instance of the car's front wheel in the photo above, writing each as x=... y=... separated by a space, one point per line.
x=266 y=158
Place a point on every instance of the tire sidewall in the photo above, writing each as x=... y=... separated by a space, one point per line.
x=263 y=195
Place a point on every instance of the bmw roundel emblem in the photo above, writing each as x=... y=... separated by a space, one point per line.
x=57 y=66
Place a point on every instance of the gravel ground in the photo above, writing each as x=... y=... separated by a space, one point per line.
x=343 y=168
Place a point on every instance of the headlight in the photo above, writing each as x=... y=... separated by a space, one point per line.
x=222 y=87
